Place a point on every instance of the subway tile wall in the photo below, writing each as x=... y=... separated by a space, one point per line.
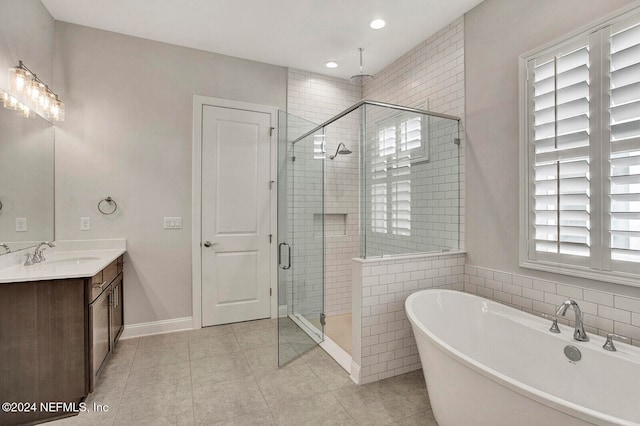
x=430 y=76
x=433 y=200
x=388 y=347
x=317 y=98
x=603 y=312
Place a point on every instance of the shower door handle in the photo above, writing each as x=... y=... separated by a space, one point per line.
x=280 y=256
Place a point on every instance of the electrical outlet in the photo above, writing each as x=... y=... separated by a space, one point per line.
x=85 y=223
x=172 y=223
x=21 y=224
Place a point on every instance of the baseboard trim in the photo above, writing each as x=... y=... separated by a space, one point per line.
x=355 y=372
x=157 y=327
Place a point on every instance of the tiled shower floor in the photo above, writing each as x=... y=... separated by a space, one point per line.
x=227 y=375
x=338 y=329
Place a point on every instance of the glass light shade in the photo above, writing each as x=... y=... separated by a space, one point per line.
x=37 y=89
x=20 y=80
x=26 y=112
x=56 y=111
x=46 y=100
x=61 y=113
x=9 y=102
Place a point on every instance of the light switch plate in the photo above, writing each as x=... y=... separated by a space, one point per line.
x=172 y=223
x=85 y=223
x=21 y=224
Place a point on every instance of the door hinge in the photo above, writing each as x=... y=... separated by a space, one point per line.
x=270 y=238
x=293 y=158
x=323 y=319
x=270 y=292
x=271 y=182
x=271 y=129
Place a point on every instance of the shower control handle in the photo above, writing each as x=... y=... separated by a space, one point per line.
x=280 y=256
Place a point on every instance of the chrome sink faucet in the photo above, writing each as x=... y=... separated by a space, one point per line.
x=38 y=254
x=579 y=334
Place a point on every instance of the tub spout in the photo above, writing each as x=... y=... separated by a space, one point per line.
x=579 y=334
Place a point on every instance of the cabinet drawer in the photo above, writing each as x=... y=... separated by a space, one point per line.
x=110 y=272
x=102 y=279
x=97 y=285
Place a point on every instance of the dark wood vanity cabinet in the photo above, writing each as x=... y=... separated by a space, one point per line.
x=54 y=338
x=106 y=316
x=99 y=334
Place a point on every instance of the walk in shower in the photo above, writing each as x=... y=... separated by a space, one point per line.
x=377 y=180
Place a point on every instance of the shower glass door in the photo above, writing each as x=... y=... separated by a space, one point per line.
x=300 y=238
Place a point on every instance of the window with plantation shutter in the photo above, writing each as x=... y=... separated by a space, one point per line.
x=581 y=152
x=399 y=141
x=625 y=143
x=560 y=142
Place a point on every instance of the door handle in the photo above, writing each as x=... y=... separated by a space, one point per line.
x=209 y=244
x=280 y=256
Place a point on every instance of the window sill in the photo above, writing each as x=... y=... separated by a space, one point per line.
x=576 y=271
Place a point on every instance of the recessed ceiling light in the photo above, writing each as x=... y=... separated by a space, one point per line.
x=377 y=24
x=331 y=64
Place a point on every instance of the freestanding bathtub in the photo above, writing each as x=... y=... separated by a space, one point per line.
x=489 y=364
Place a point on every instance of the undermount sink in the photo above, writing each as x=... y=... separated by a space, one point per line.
x=72 y=260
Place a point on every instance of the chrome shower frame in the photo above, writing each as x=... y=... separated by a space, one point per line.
x=376 y=103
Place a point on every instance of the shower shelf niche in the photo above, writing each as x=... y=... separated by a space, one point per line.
x=335 y=224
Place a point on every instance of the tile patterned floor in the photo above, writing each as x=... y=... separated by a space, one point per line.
x=227 y=375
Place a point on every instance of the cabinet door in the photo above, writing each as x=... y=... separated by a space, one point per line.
x=42 y=346
x=99 y=329
x=117 y=320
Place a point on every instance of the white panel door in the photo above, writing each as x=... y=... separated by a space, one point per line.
x=236 y=215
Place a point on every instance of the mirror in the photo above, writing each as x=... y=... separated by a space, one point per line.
x=26 y=181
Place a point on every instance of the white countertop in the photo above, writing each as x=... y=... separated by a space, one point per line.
x=69 y=259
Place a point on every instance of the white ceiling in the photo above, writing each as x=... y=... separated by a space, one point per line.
x=301 y=34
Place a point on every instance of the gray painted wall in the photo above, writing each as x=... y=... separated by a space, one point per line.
x=26 y=34
x=128 y=134
x=496 y=33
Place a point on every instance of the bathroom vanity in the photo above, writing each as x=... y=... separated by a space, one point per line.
x=59 y=321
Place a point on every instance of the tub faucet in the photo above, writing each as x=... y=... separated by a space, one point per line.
x=38 y=255
x=579 y=334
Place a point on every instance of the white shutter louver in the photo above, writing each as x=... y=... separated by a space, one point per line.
x=391 y=164
x=318 y=147
x=625 y=145
x=401 y=199
x=561 y=181
x=379 y=208
x=411 y=134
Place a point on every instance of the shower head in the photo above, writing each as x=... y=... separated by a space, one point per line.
x=361 y=78
x=342 y=151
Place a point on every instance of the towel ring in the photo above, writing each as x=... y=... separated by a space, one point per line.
x=107 y=200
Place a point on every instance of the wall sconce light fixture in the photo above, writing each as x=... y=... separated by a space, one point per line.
x=28 y=95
